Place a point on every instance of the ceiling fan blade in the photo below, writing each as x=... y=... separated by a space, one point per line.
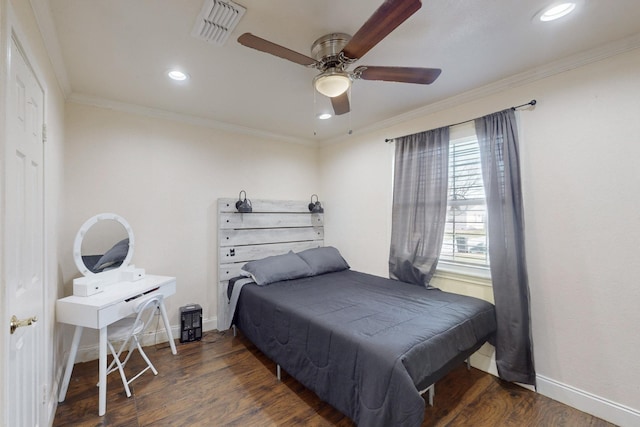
x=384 y=20
x=340 y=104
x=423 y=76
x=255 y=42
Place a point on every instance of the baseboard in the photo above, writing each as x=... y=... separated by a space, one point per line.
x=210 y=324
x=623 y=416
x=485 y=360
x=160 y=336
x=152 y=337
x=587 y=402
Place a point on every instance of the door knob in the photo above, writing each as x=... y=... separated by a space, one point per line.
x=15 y=323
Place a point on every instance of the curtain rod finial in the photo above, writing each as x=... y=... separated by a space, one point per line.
x=532 y=103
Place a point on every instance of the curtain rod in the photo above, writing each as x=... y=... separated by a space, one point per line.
x=532 y=103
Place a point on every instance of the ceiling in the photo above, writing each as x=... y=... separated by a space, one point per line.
x=119 y=51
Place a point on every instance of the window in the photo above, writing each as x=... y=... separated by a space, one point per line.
x=465 y=237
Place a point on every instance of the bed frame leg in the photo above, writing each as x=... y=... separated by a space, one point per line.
x=235 y=332
x=278 y=372
x=432 y=391
x=468 y=364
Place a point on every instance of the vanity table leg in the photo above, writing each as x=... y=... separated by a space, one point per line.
x=102 y=375
x=167 y=327
x=77 y=334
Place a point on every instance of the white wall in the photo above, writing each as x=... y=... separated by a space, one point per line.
x=356 y=192
x=23 y=21
x=580 y=158
x=164 y=178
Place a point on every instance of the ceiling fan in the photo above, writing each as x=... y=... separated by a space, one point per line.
x=334 y=53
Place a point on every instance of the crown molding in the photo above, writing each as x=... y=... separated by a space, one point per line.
x=44 y=20
x=537 y=73
x=42 y=12
x=109 y=104
x=45 y=23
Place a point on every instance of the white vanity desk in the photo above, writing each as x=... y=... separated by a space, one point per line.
x=110 y=290
x=97 y=311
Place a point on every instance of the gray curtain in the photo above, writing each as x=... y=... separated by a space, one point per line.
x=419 y=205
x=498 y=139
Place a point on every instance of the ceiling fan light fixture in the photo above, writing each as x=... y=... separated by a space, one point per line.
x=332 y=83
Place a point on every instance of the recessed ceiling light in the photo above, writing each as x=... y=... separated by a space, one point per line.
x=324 y=116
x=557 y=11
x=177 y=75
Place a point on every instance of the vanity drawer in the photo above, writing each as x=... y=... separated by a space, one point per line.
x=115 y=312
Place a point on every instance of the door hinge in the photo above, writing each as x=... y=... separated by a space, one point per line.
x=44 y=393
x=44 y=132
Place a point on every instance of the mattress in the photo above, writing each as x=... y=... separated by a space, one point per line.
x=363 y=343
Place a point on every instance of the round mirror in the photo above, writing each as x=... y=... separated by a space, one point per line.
x=103 y=243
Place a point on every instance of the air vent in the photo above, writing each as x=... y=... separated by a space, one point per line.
x=217 y=20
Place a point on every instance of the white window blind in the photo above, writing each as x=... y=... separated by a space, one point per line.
x=465 y=236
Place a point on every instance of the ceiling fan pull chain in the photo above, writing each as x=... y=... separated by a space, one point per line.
x=315 y=112
x=350 y=127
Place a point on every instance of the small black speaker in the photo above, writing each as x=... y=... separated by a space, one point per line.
x=190 y=323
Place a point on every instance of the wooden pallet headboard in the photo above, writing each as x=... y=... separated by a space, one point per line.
x=274 y=227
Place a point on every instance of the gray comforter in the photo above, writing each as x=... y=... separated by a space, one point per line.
x=362 y=343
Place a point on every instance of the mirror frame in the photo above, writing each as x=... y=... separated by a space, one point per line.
x=77 y=244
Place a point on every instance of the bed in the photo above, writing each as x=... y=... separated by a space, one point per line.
x=365 y=344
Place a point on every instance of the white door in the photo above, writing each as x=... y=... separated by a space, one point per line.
x=24 y=242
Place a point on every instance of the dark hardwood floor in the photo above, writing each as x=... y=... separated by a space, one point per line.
x=223 y=380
